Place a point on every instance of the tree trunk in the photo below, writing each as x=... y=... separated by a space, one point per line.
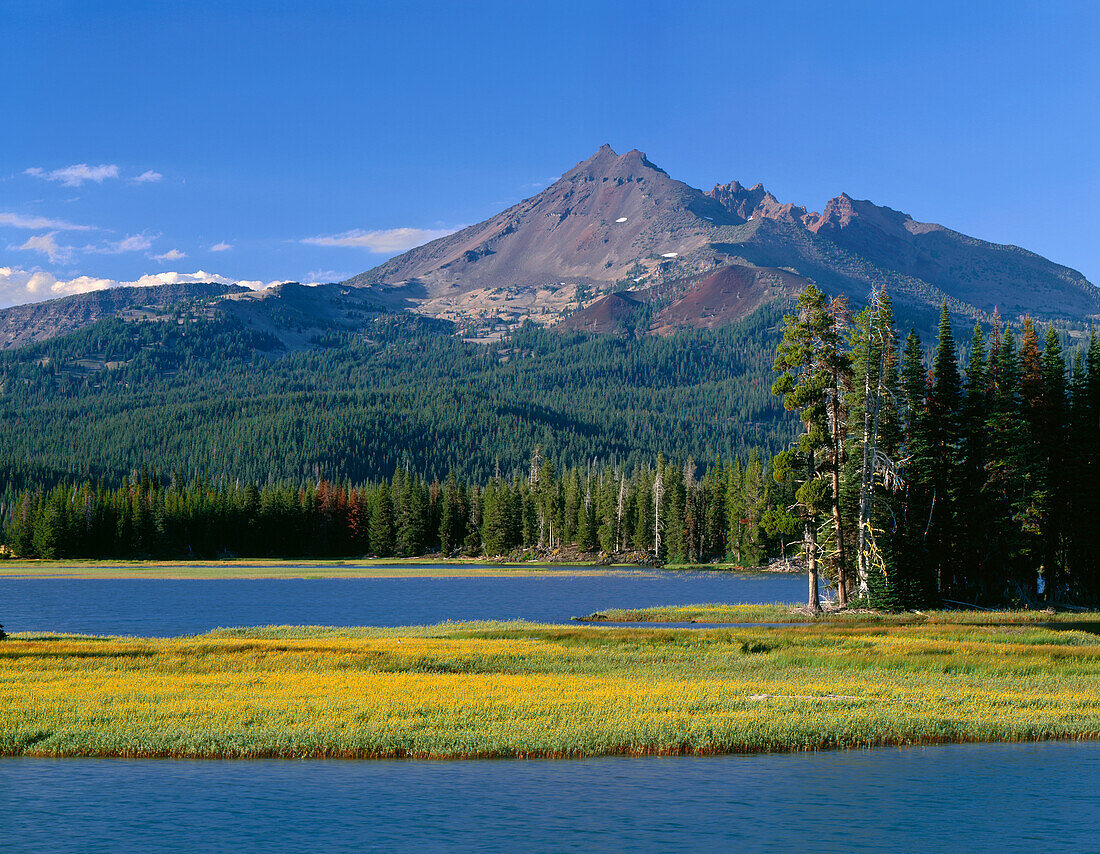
x=841 y=582
x=810 y=537
x=658 y=489
x=870 y=453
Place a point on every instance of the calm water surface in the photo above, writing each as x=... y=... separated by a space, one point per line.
x=1004 y=798
x=166 y=608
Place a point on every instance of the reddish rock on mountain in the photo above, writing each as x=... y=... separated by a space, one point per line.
x=755 y=202
x=618 y=222
x=589 y=226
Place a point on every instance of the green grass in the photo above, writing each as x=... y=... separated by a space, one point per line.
x=522 y=690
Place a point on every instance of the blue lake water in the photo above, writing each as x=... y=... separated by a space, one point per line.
x=1003 y=798
x=166 y=608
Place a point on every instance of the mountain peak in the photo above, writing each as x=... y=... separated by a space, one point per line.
x=606 y=163
x=755 y=202
x=591 y=226
x=844 y=211
x=618 y=221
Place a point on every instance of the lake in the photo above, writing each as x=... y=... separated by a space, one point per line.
x=1004 y=798
x=167 y=608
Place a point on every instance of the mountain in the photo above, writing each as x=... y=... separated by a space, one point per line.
x=291 y=316
x=590 y=226
x=618 y=245
x=40 y=321
x=356 y=379
x=707 y=300
x=616 y=233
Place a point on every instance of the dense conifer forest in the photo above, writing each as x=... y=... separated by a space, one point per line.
x=913 y=481
x=211 y=399
x=672 y=510
x=918 y=483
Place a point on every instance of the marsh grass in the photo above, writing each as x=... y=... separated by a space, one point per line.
x=524 y=690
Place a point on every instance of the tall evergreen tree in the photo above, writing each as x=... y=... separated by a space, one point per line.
x=974 y=531
x=383 y=535
x=915 y=573
x=452 y=525
x=943 y=410
x=1054 y=419
x=805 y=382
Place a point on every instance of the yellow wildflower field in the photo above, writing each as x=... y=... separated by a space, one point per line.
x=525 y=690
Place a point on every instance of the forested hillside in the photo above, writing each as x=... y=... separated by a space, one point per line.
x=209 y=398
x=913 y=482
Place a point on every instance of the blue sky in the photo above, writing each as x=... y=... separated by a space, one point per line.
x=264 y=141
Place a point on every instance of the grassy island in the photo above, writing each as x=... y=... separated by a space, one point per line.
x=527 y=690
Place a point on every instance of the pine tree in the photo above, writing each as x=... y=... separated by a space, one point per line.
x=872 y=469
x=383 y=534
x=1007 y=471
x=1054 y=419
x=806 y=378
x=735 y=512
x=943 y=437
x=495 y=518
x=452 y=527
x=1084 y=447
x=412 y=517
x=472 y=542
x=586 y=517
x=974 y=530
x=915 y=576
x=754 y=501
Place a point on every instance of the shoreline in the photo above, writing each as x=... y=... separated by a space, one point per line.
x=625 y=752
x=274 y=568
x=718 y=614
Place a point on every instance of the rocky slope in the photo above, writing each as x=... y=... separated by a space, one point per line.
x=590 y=226
x=618 y=223
x=25 y=324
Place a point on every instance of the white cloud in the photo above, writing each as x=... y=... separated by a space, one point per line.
x=170 y=255
x=48 y=246
x=132 y=243
x=19 y=286
x=324 y=277
x=174 y=278
x=77 y=174
x=147 y=177
x=382 y=242
x=15 y=220
x=221 y=247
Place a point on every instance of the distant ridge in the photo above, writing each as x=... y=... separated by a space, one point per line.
x=26 y=324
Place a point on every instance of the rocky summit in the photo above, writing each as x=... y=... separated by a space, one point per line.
x=616 y=233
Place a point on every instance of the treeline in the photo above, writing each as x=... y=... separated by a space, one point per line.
x=667 y=509
x=917 y=483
